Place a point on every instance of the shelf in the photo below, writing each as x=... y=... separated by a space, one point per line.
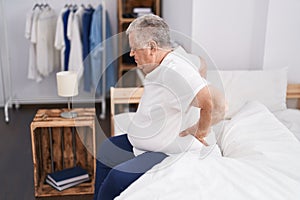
x=125 y=8
x=126 y=20
x=127 y=67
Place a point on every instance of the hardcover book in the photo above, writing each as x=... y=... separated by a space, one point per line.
x=63 y=187
x=68 y=175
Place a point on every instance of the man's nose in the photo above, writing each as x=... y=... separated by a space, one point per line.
x=131 y=54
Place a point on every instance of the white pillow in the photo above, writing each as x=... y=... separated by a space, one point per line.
x=122 y=122
x=266 y=86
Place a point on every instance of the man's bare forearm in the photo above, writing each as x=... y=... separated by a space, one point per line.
x=219 y=105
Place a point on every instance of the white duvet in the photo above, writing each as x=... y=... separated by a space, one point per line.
x=261 y=160
x=291 y=119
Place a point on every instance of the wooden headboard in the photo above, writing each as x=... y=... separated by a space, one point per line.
x=293 y=92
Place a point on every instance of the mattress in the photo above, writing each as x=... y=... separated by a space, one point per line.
x=260 y=161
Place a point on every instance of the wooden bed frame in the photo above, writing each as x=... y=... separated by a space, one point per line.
x=132 y=95
x=293 y=92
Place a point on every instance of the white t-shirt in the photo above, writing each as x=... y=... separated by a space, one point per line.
x=31 y=35
x=74 y=34
x=46 y=54
x=165 y=108
x=59 y=41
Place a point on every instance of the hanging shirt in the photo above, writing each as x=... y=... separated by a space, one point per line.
x=46 y=54
x=86 y=27
x=28 y=24
x=69 y=24
x=97 y=48
x=65 y=42
x=66 y=39
x=75 y=36
x=59 y=38
x=30 y=34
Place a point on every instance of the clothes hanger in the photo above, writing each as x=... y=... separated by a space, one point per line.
x=46 y=5
x=75 y=7
x=36 y=5
x=90 y=6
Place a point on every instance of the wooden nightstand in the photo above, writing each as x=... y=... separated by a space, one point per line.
x=59 y=143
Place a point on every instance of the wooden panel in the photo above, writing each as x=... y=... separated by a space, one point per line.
x=126 y=95
x=45 y=150
x=130 y=95
x=57 y=149
x=68 y=155
x=81 y=153
x=36 y=158
x=293 y=91
x=90 y=149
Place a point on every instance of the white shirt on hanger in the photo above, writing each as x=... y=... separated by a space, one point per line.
x=28 y=24
x=75 y=36
x=70 y=22
x=59 y=42
x=30 y=34
x=47 y=56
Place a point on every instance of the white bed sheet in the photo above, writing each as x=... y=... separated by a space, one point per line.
x=261 y=161
x=291 y=119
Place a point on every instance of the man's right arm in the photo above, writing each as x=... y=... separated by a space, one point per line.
x=219 y=104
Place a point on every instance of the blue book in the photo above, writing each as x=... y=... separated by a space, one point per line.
x=63 y=187
x=68 y=175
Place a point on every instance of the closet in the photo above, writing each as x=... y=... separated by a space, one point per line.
x=15 y=87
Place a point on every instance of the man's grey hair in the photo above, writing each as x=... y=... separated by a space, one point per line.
x=150 y=27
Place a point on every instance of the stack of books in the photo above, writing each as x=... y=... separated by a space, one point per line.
x=142 y=11
x=67 y=178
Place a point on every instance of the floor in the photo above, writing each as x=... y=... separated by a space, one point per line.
x=16 y=168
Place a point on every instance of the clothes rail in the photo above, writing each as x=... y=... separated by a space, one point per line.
x=12 y=96
x=102 y=115
x=4 y=62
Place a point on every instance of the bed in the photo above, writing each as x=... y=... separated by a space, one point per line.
x=259 y=141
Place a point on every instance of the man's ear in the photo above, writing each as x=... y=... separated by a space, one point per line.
x=153 y=45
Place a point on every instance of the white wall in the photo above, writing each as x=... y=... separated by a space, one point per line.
x=282 y=47
x=178 y=15
x=248 y=34
x=232 y=31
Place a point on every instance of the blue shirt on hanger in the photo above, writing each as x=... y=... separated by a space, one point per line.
x=86 y=27
x=67 y=41
x=96 y=47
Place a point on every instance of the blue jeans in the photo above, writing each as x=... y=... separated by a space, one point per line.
x=117 y=167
